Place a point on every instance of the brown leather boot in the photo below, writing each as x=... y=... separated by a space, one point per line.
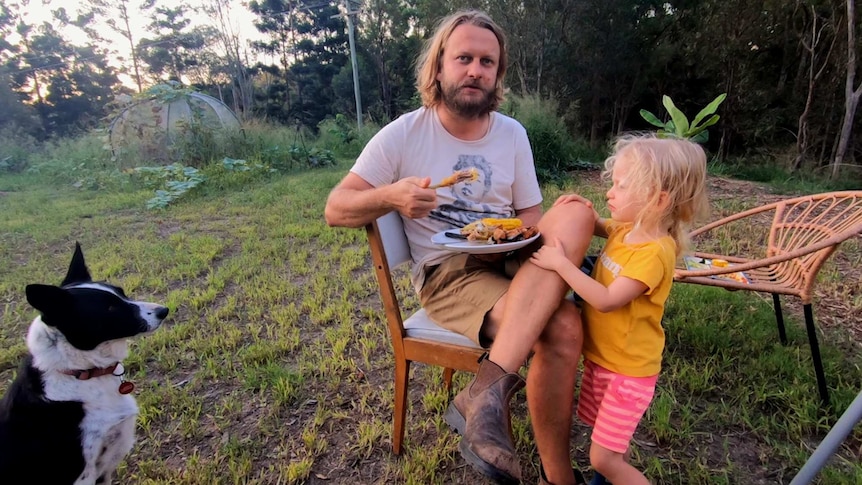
x=480 y=413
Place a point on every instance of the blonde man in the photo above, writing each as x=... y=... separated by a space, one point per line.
x=506 y=304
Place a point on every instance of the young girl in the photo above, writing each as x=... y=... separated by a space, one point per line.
x=658 y=190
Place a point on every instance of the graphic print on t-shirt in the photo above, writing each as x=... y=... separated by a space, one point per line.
x=467 y=206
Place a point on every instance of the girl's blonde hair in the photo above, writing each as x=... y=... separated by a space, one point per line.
x=674 y=166
x=428 y=64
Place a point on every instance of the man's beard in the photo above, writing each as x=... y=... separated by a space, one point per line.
x=468 y=108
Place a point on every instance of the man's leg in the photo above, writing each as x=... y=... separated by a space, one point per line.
x=532 y=307
x=550 y=386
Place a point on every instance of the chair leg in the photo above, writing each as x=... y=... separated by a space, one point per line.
x=815 y=355
x=448 y=372
x=779 y=318
x=402 y=376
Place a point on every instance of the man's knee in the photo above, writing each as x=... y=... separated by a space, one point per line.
x=564 y=333
x=572 y=223
x=569 y=214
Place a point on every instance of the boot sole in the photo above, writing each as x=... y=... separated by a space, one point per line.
x=458 y=424
x=484 y=467
x=455 y=419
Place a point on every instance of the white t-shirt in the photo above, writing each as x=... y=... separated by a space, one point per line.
x=416 y=144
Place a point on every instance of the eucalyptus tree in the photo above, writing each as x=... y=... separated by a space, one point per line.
x=117 y=15
x=852 y=90
x=235 y=55
x=817 y=38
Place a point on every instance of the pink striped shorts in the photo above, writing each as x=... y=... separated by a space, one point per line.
x=613 y=404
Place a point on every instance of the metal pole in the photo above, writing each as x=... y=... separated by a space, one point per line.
x=353 y=63
x=830 y=443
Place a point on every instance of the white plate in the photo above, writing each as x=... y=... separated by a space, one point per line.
x=476 y=247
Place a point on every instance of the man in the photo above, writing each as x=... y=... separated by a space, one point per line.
x=508 y=304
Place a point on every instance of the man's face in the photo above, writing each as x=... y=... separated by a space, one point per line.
x=468 y=71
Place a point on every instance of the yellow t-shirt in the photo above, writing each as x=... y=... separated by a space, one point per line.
x=630 y=339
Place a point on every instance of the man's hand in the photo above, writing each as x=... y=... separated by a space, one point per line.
x=413 y=198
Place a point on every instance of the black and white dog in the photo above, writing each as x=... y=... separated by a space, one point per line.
x=68 y=417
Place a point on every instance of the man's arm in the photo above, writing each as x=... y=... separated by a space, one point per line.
x=530 y=216
x=354 y=202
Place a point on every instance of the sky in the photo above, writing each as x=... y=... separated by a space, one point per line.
x=39 y=11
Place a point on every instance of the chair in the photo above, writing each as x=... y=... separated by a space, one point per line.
x=417 y=339
x=803 y=234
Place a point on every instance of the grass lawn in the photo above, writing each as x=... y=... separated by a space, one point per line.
x=274 y=365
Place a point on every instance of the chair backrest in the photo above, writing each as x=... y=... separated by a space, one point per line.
x=820 y=220
x=389 y=249
x=395 y=244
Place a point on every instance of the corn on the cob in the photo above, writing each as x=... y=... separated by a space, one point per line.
x=506 y=224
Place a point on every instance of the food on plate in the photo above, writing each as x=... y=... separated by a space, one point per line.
x=467 y=175
x=498 y=230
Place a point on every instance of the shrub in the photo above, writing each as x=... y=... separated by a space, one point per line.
x=554 y=151
x=341 y=136
x=17 y=148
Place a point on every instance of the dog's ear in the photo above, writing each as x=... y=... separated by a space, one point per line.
x=78 y=272
x=49 y=300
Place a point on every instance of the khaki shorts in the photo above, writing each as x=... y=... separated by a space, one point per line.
x=460 y=291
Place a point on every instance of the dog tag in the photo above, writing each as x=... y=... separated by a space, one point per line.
x=126 y=387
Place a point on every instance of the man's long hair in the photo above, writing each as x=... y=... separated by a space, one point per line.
x=429 y=61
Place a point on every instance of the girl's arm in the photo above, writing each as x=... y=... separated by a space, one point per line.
x=601 y=228
x=604 y=299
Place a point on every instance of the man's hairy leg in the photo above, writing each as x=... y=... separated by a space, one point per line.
x=536 y=293
x=550 y=390
x=535 y=317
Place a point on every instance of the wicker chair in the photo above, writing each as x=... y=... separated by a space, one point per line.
x=803 y=234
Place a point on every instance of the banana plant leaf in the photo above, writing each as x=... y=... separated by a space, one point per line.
x=679 y=120
x=709 y=109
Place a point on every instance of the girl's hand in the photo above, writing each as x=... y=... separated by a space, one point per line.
x=577 y=199
x=551 y=257
x=567 y=198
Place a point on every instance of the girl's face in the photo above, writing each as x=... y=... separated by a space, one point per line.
x=623 y=202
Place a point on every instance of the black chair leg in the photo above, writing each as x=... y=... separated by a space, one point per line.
x=815 y=355
x=776 y=304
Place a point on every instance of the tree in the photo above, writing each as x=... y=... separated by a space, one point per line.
x=175 y=47
x=235 y=55
x=390 y=43
x=852 y=93
x=311 y=41
x=812 y=43
x=117 y=15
